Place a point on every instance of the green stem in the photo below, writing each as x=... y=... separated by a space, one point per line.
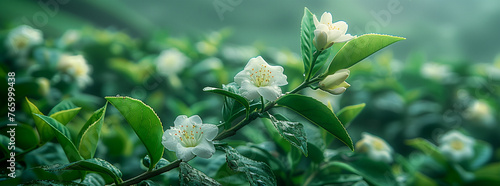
x=262 y=103
x=313 y=63
x=151 y=174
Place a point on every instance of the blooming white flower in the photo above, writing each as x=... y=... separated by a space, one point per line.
x=327 y=33
x=260 y=79
x=171 y=62
x=481 y=112
x=190 y=137
x=76 y=66
x=456 y=146
x=335 y=83
x=376 y=148
x=436 y=71
x=21 y=38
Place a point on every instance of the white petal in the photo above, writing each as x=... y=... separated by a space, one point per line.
x=316 y=22
x=205 y=149
x=181 y=120
x=195 y=119
x=169 y=141
x=209 y=131
x=326 y=18
x=242 y=76
x=279 y=78
x=383 y=156
x=344 y=38
x=341 y=26
x=249 y=90
x=270 y=93
x=333 y=35
x=320 y=40
x=184 y=153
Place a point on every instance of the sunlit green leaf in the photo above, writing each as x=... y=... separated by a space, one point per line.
x=90 y=133
x=347 y=114
x=358 y=49
x=145 y=123
x=63 y=136
x=306 y=39
x=191 y=176
x=293 y=132
x=64 y=112
x=317 y=113
x=94 y=165
x=257 y=173
x=234 y=96
x=489 y=174
x=44 y=130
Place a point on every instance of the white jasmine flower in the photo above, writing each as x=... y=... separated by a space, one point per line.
x=190 y=137
x=335 y=83
x=70 y=37
x=456 y=146
x=260 y=79
x=171 y=62
x=21 y=38
x=76 y=66
x=328 y=33
x=43 y=86
x=376 y=148
x=480 y=111
x=435 y=71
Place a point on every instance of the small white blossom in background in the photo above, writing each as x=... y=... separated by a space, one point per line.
x=335 y=83
x=69 y=37
x=76 y=66
x=43 y=86
x=456 y=146
x=171 y=62
x=190 y=137
x=436 y=71
x=258 y=78
x=21 y=38
x=239 y=53
x=327 y=33
x=376 y=148
x=481 y=112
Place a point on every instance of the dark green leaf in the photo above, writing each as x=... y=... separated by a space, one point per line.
x=315 y=153
x=90 y=132
x=234 y=96
x=489 y=173
x=146 y=161
x=94 y=165
x=93 y=179
x=63 y=136
x=257 y=173
x=191 y=176
x=482 y=154
x=64 y=111
x=347 y=114
x=306 y=39
x=231 y=107
x=320 y=62
x=145 y=123
x=428 y=148
x=358 y=49
x=29 y=137
x=293 y=132
x=317 y=113
x=377 y=173
x=53 y=183
x=147 y=183
x=228 y=177
x=336 y=179
x=44 y=130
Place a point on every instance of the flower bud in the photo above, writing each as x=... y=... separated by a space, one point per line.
x=335 y=83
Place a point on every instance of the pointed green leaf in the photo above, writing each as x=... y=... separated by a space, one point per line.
x=90 y=132
x=377 y=173
x=94 y=165
x=191 y=176
x=317 y=113
x=306 y=39
x=320 y=62
x=293 y=132
x=64 y=112
x=489 y=174
x=347 y=114
x=257 y=173
x=234 y=96
x=93 y=179
x=63 y=105
x=29 y=137
x=63 y=136
x=145 y=123
x=358 y=49
x=428 y=148
x=44 y=130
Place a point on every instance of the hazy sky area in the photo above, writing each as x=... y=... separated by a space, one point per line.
x=446 y=29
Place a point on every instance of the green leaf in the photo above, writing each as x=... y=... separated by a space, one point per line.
x=428 y=148
x=146 y=161
x=236 y=97
x=489 y=174
x=44 y=130
x=191 y=176
x=345 y=179
x=377 y=173
x=231 y=107
x=29 y=137
x=358 y=49
x=347 y=114
x=94 y=165
x=293 y=132
x=64 y=112
x=145 y=123
x=307 y=28
x=317 y=113
x=482 y=154
x=320 y=62
x=63 y=136
x=90 y=133
x=257 y=173
x=93 y=179
x=53 y=183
